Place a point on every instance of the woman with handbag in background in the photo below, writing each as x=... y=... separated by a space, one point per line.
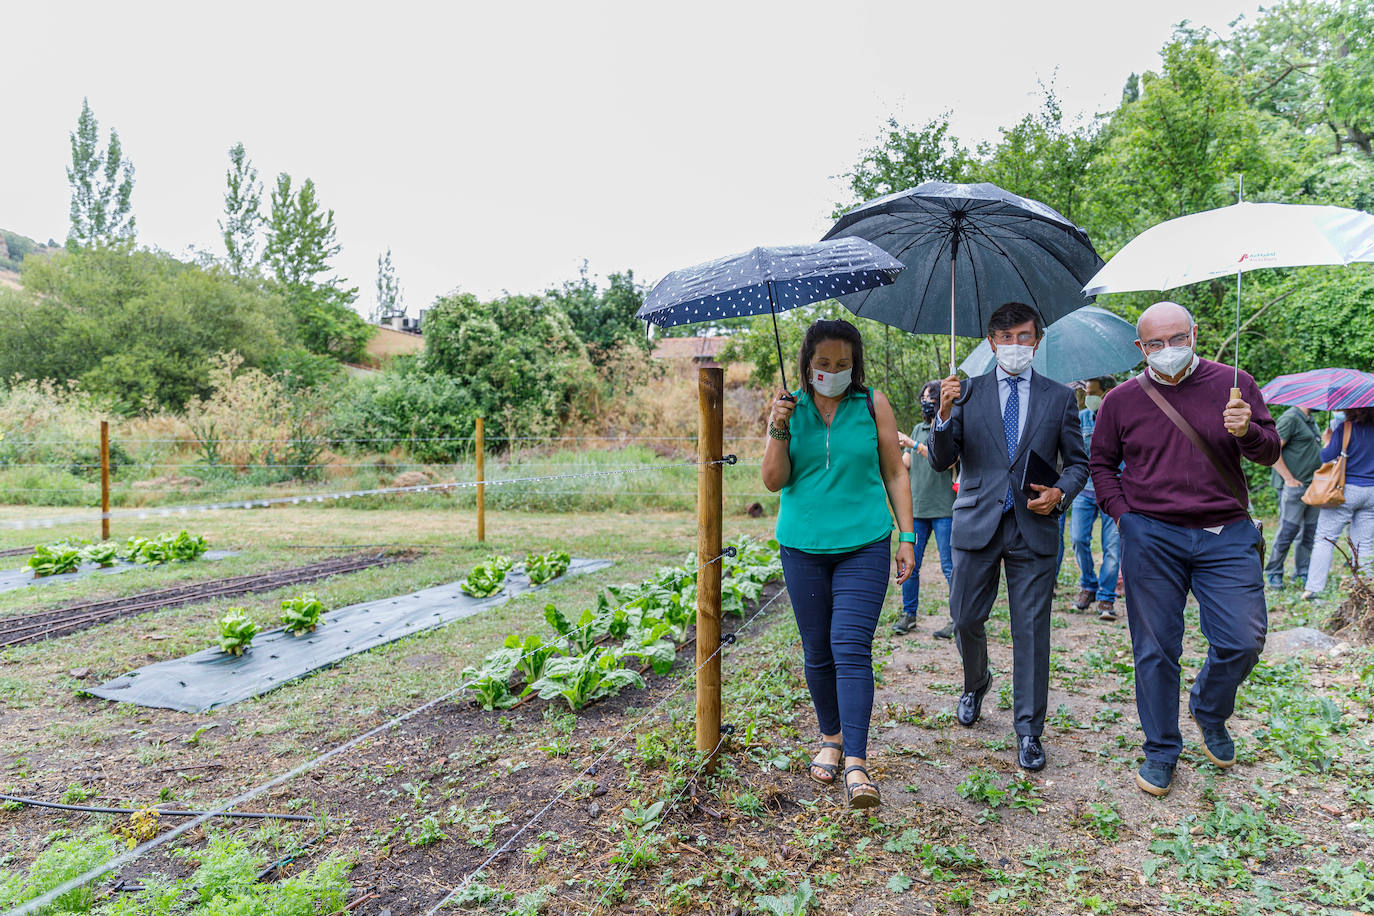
x=1350 y=452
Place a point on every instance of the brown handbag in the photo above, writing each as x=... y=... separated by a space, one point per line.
x=1328 y=483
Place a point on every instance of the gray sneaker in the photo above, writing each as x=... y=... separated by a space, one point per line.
x=906 y=623
x=945 y=632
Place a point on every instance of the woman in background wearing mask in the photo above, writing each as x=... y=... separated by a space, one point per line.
x=1358 y=509
x=832 y=452
x=932 y=508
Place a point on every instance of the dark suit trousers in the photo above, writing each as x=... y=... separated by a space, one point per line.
x=1030 y=589
x=1161 y=562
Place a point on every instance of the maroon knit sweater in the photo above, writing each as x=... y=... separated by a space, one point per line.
x=1165 y=476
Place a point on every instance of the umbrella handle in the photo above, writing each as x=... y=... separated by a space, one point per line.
x=1235 y=394
x=777 y=339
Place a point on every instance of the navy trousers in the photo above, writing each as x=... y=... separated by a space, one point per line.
x=1161 y=563
x=837 y=598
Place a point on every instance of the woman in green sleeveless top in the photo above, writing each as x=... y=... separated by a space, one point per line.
x=832 y=452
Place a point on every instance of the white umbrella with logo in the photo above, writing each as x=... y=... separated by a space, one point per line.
x=1234 y=240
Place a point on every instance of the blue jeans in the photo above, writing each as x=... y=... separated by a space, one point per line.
x=1059 y=558
x=1162 y=563
x=1101 y=582
x=911 y=588
x=837 y=598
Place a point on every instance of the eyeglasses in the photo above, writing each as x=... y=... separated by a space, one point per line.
x=1025 y=338
x=1178 y=340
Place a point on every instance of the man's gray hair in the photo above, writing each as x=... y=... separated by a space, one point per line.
x=1191 y=322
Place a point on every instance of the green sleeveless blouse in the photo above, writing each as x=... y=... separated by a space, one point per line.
x=834 y=501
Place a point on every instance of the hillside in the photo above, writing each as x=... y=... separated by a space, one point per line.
x=13 y=249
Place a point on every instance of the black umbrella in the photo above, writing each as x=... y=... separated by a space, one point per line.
x=990 y=244
x=768 y=280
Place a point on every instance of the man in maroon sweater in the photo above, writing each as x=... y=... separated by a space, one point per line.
x=1183 y=526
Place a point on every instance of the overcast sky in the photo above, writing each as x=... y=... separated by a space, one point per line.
x=495 y=146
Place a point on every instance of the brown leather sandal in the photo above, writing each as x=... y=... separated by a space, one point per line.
x=831 y=769
x=860 y=800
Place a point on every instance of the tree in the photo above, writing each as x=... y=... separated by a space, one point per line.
x=300 y=236
x=242 y=213
x=102 y=183
x=1180 y=147
x=1312 y=64
x=1043 y=159
x=388 y=290
x=906 y=157
x=603 y=319
x=300 y=242
x=136 y=327
x=520 y=363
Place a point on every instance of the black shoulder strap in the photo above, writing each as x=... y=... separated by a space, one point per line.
x=868 y=396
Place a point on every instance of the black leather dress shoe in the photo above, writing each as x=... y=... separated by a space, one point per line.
x=971 y=704
x=1030 y=754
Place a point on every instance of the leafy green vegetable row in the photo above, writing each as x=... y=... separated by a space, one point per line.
x=67 y=555
x=585 y=658
x=490 y=577
x=299 y=616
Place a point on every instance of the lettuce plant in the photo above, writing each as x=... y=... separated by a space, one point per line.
x=487 y=579
x=543 y=568
x=301 y=614
x=236 y=631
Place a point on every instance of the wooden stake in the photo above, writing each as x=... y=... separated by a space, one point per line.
x=710 y=446
x=104 y=480
x=481 y=488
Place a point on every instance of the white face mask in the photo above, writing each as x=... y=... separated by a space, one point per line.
x=1092 y=402
x=1014 y=358
x=830 y=384
x=1170 y=361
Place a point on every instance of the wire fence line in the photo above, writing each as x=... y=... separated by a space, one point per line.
x=37 y=904
x=614 y=745
x=308 y=440
x=166 y=511
x=689 y=781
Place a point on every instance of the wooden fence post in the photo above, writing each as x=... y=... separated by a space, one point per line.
x=104 y=480
x=710 y=445
x=481 y=487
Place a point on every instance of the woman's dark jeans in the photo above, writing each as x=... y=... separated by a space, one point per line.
x=837 y=598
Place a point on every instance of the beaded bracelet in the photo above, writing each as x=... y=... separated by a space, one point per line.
x=780 y=434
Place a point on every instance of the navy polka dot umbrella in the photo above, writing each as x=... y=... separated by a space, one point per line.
x=768 y=280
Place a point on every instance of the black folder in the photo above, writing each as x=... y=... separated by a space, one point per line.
x=1037 y=470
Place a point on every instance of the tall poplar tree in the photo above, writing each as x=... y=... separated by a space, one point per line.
x=388 y=289
x=102 y=183
x=242 y=212
x=300 y=243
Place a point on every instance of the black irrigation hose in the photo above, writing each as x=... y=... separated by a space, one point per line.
x=257 y=815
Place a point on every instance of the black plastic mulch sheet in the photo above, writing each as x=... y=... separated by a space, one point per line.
x=11 y=579
x=211 y=679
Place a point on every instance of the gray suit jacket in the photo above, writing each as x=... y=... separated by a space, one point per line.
x=975 y=437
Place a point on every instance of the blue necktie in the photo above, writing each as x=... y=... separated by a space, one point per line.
x=1010 y=417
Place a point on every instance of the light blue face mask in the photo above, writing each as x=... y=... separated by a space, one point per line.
x=1337 y=418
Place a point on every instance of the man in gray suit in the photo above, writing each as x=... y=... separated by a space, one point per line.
x=993 y=424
